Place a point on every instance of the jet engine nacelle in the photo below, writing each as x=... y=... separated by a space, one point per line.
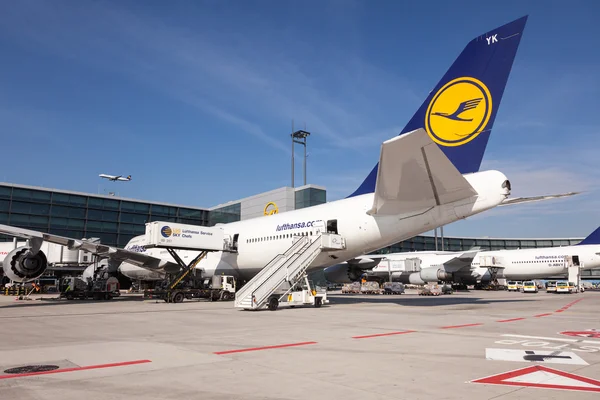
x=435 y=274
x=415 y=279
x=20 y=265
x=342 y=273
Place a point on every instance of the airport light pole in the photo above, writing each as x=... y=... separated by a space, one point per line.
x=300 y=138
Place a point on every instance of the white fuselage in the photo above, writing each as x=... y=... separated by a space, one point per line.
x=261 y=239
x=519 y=264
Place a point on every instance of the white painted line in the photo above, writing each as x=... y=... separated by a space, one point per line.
x=543 y=338
x=550 y=379
x=554 y=339
x=529 y=356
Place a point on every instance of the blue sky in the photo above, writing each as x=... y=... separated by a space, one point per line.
x=195 y=99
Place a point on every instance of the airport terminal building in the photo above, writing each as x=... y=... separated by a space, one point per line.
x=116 y=220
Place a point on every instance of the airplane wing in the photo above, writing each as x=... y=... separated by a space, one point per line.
x=365 y=262
x=520 y=200
x=414 y=174
x=460 y=261
x=112 y=253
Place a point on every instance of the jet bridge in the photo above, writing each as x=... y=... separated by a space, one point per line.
x=494 y=264
x=283 y=277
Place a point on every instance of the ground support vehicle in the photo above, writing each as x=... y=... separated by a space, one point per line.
x=102 y=288
x=530 y=287
x=430 y=290
x=393 y=288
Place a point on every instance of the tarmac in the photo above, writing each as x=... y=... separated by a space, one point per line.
x=356 y=347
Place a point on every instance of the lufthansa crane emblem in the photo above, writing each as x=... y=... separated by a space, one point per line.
x=271 y=208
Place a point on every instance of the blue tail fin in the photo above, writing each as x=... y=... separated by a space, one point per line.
x=593 y=238
x=459 y=112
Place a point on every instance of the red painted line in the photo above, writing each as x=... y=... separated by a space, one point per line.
x=459 y=326
x=58 y=371
x=542 y=315
x=381 y=334
x=571 y=304
x=561 y=310
x=511 y=320
x=279 y=346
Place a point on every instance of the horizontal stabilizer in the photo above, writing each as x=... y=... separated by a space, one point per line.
x=520 y=200
x=414 y=174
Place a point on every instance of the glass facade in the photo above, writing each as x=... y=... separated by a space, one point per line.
x=427 y=243
x=309 y=197
x=225 y=214
x=115 y=221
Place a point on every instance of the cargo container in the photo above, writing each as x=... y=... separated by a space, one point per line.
x=183 y=236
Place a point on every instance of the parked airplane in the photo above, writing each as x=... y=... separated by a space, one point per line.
x=470 y=267
x=116 y=177
x=428 y=176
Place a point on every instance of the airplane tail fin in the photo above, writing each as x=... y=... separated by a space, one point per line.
x=458 y=114
x=593 y=238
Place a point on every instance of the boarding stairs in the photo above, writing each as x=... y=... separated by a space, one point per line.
x=285 y=270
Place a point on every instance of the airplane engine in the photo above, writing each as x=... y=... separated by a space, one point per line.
x=22 y=266
x=342 y=273
x=435 y=274
x=415 y=279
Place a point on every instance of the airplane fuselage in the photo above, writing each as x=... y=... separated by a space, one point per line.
x=261 y=239
x=519 y=264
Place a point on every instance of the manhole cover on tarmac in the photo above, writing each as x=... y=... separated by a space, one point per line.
x=27 y=369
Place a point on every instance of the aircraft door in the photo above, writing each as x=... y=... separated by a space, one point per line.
x=332 y=226
x=319 y=227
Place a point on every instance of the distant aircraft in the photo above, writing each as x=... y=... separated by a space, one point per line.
x=466 y=267
x=115 y=177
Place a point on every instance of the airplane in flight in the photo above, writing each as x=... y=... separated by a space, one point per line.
x=116 y=177
x=470 y=267
x=427 y=176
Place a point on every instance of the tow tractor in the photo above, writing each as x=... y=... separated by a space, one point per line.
x=302 y=293
x=101 y=287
